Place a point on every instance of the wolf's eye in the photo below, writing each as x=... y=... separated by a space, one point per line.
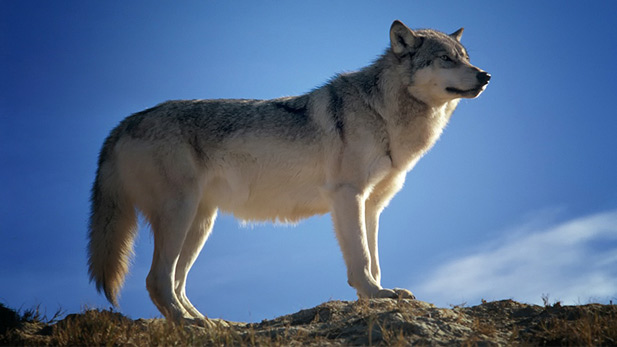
x=445 y=58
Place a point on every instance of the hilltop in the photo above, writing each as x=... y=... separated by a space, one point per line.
x=365 y=322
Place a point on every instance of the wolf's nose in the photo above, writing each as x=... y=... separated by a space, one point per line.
x=483 y=77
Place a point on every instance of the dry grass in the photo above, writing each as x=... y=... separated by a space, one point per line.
x=363 y=322
x=108 y=328
x=594 y=326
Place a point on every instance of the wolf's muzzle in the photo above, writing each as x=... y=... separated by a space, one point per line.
x=482 y=77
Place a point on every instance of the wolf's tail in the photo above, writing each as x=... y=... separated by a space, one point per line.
x=113 y=226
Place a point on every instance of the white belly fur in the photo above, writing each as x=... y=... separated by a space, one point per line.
x=272 y=188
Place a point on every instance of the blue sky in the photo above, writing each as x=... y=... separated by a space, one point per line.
x=517 y=199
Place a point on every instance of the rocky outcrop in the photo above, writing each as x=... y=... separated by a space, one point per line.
x=365 y=322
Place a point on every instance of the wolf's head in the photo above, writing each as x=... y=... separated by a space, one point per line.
x=437 y=63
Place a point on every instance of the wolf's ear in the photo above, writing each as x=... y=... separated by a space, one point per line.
x=402 y=38
x=457 y=34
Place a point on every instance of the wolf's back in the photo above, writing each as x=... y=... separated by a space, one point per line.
x=113 y=223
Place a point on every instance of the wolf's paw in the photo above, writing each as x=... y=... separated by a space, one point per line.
x=205 y=322
x=402 y=293
x=190 y=321
x=219 y=323
x=396 y=293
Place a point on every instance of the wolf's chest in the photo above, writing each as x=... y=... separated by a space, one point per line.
x=411 y=141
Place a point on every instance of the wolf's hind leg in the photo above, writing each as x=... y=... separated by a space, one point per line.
x=193 y=243
x=170 y=227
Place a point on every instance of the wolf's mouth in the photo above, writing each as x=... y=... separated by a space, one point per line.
x=467 y=93
x=463 y=92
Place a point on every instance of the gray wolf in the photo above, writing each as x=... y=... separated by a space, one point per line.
x=343 y=148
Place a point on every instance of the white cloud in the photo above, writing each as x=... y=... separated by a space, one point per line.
x=574 y=262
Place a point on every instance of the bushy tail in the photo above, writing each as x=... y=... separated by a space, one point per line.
x=113 y=226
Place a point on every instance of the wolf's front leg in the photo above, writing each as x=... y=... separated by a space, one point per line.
x=349 y=223
x=372 y=213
